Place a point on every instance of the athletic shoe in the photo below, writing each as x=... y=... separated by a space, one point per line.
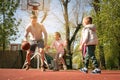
x=55 y=69
x=64 y=67
x=85 y=70
x=96 y=71
x=42 y=69
x=27 y=67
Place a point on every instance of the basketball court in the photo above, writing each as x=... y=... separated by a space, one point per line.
x=36 y=74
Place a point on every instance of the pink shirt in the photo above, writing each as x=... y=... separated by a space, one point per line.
x=58 y=45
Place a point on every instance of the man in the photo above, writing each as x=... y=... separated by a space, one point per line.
x=36 y=32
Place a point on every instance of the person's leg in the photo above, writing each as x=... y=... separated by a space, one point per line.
x=64 y=65
x=86 y=61
x=41 y=51
x=28 y=57
x=91 y=50
x=93 y=58
x=42 y=59
x=28 y=60
x=62 y=60
x=56 y=67
x=31 y=50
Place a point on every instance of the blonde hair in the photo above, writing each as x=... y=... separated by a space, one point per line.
x=88 y=20
x=57 y=33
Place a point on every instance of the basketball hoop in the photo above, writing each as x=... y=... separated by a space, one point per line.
x=34 y=5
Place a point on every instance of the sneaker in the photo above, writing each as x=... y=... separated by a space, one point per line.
x=27 y=67
x=96 y=71
x=64 y=67
x=55 y=69
x=42 y=69
x=85 y=70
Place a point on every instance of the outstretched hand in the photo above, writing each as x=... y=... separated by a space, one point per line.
x=80 y=47
x=47 y=47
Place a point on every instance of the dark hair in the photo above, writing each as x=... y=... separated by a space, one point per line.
x=90 y=19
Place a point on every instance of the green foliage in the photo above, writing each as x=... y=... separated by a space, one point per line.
x=107 y=21
x=111 y=57
x=49 y=42
x=8 y=23
x=77 y=57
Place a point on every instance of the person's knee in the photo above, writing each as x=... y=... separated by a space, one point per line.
x=60 y=58
x=55 y=59
x=29 y=52
x=41 y=51
x=93 y=58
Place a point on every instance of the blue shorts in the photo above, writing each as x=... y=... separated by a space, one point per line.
x=34 y=44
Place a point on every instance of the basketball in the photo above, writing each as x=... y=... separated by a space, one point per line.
x=25 y=45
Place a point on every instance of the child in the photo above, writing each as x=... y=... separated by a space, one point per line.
x=58 y=44
x=88 y=43
x=36 y=31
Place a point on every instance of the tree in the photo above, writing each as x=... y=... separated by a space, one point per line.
x=69 y=38
x=96 y=7
x=107 y=19
x=8 y=23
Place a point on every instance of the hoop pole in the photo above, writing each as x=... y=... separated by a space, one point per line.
x=38 y=55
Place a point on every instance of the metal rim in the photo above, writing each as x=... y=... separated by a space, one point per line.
x=34 y=4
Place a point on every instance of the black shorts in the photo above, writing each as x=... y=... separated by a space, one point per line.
x=34 y=44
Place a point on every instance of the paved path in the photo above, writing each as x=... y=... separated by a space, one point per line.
x=35 y=74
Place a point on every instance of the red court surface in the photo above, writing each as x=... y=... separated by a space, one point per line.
x=36 y=74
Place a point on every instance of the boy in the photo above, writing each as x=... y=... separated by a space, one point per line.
x=88 y=43
x=36 y=31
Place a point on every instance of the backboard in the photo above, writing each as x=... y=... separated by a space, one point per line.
x=39 y=5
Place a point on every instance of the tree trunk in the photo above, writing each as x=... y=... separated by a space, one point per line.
x=3 y=33
x=68 y=48
x=96 y=6
x=119 y=61
x=69 y=41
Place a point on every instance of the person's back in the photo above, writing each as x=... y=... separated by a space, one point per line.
x=92 y=35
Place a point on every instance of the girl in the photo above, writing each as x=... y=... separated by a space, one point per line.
x=58 y=44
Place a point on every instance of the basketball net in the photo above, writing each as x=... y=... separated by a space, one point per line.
x=34 y=6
